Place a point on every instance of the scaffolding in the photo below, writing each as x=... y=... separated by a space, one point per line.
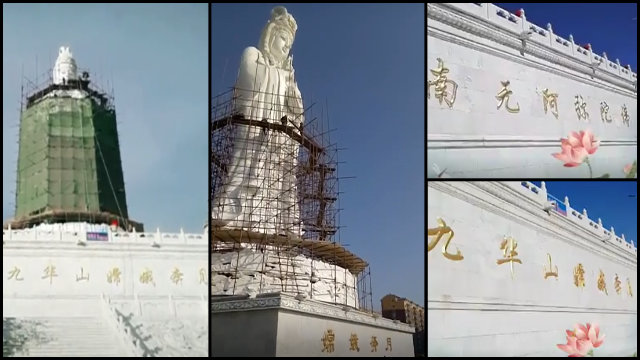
x=274 y=191
x=69 y=166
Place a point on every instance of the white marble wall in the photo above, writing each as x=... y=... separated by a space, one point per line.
x=476 y=308
x=177 y=264
x=476 y=139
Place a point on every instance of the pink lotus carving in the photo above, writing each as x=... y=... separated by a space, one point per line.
x=627 y=168
x=576 y=147
x=582 y=340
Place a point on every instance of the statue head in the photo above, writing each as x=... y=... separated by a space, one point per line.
x=277 y=36
x=65 y=67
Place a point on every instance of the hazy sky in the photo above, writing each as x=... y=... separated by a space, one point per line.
x=156 y=56
x=367 y=63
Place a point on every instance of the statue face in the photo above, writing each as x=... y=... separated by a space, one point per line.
x=280 y=46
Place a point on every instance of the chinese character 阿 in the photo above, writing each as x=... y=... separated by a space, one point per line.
x=353 y=341
x=629 y=288
x=604 y=112
x=503 y=96
x=147 y=277
x=82 y=277
x=578 y=276
x=374 y=344
x=113 y=276
x=440 y=85
x=625 y=115
x=581 y=108
x=15 y=274
x=550 y=100
x=438 y=232
x=388 y=348
x=176 y=276
x=327 y=341
x=49 y=272
x=508 y=247
x=616 y=284
x=203 y=276
x=602 y=286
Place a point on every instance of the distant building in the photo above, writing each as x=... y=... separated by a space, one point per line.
x=402 y=309
x=406 y=311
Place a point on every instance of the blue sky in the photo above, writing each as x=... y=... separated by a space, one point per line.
x=608 y=27
x=607 y=200
x=156 y=56
x=367 y=63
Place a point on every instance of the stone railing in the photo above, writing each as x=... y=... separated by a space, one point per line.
x=582 y=219
x=96 y=234
x=529 y=32
x=123 y=326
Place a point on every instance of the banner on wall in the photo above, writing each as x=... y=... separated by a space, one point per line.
x=97 y=236
x=560 y=206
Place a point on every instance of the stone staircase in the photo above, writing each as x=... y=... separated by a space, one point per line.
x=61 y=337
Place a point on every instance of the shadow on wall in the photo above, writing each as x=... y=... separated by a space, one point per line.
x=17 y=333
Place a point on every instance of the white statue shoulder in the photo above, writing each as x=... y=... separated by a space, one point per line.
x=251 y=55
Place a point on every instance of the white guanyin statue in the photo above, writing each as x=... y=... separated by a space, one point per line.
x=259 y=191
x=65 y=68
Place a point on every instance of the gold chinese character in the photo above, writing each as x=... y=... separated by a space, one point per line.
x=327 y=341
x=625 y=115
x=503 y=96
x=616 y=284
x=581 y=108
x=176 y=276
x=550 y=272
x=441 y=230
x=113 y=276
x=203 y=276
x=629 y=288
x=388 y=348
x=550 y=100
x=508 y=247
x=578 y=276
x=440 y=85
x=602 y=286
x=353 y=341
x=82 y=277
x=49 y=272
x=146 y=277
x=604 y=112
x=15 y=274
x=374 y=344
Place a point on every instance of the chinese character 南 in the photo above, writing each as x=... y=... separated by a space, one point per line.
x=440 y=85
